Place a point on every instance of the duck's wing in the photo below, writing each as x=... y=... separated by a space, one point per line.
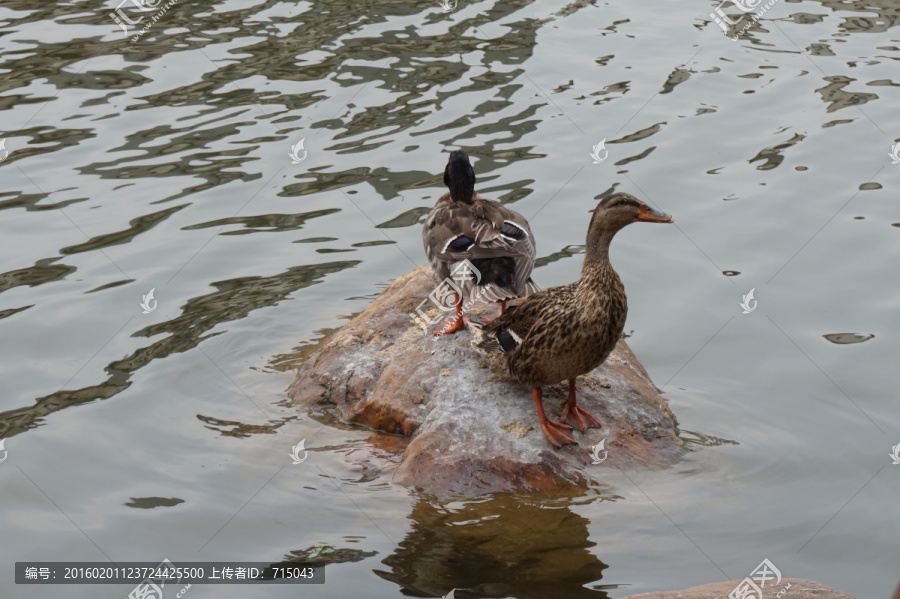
x=526 y=323
x=441 y=228
x=482 y=230
x=454 y=232
x=517 y=233
x=486 y=229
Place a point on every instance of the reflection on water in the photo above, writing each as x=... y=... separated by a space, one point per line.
x=498 y=547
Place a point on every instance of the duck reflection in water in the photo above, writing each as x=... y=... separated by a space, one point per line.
x=503 y=546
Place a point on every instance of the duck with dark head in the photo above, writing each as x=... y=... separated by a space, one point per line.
x=566 y=331
x=496 y=241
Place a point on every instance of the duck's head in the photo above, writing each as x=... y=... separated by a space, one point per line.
x=621 y=209
x=459 y=177
x=617 y=211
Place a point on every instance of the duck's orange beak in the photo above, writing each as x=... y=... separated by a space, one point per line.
x=649 y=215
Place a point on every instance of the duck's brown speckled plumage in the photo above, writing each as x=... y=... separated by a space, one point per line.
x=566 y=331
x=464 y=226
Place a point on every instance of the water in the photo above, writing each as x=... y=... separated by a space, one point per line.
x=163 y=163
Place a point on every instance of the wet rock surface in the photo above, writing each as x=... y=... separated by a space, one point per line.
x=465 y=428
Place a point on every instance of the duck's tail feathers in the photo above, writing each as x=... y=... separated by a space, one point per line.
x=531 y=287
x=492 y=293
x=494 y=338
x=483 y=340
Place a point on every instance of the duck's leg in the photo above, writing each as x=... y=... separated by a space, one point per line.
x=502 y=310
x=552 y=430
x=458 y=323
x=577 y=414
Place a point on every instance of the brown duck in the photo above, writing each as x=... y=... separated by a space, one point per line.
x=566 y=331
x=495 y=240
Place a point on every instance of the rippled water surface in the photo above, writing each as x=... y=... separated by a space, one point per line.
x=160 y=158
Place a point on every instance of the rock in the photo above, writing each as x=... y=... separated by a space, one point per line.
x=799 y=589
x=473 y=430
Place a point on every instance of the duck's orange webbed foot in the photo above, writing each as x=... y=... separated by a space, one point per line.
x=457 y=323
x=554 y=431
x=578 y=416
x=581 y=418
x=452 y=326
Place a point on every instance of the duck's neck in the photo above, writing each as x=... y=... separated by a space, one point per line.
x=599 y=238
x=464 y=194
x=597 y=271
x=459 y=177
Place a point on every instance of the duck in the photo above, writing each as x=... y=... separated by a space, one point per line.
x=485 y=248
x=563 y=332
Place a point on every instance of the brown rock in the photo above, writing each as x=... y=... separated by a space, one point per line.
x=467 y=421
x=799 y=589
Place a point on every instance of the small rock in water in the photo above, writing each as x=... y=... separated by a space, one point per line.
x=845 y=338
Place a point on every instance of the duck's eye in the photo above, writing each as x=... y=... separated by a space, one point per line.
x=459 y=244
x=510 y=230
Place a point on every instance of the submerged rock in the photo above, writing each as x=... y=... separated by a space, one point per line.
x=796 y=589
x=471 y=429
